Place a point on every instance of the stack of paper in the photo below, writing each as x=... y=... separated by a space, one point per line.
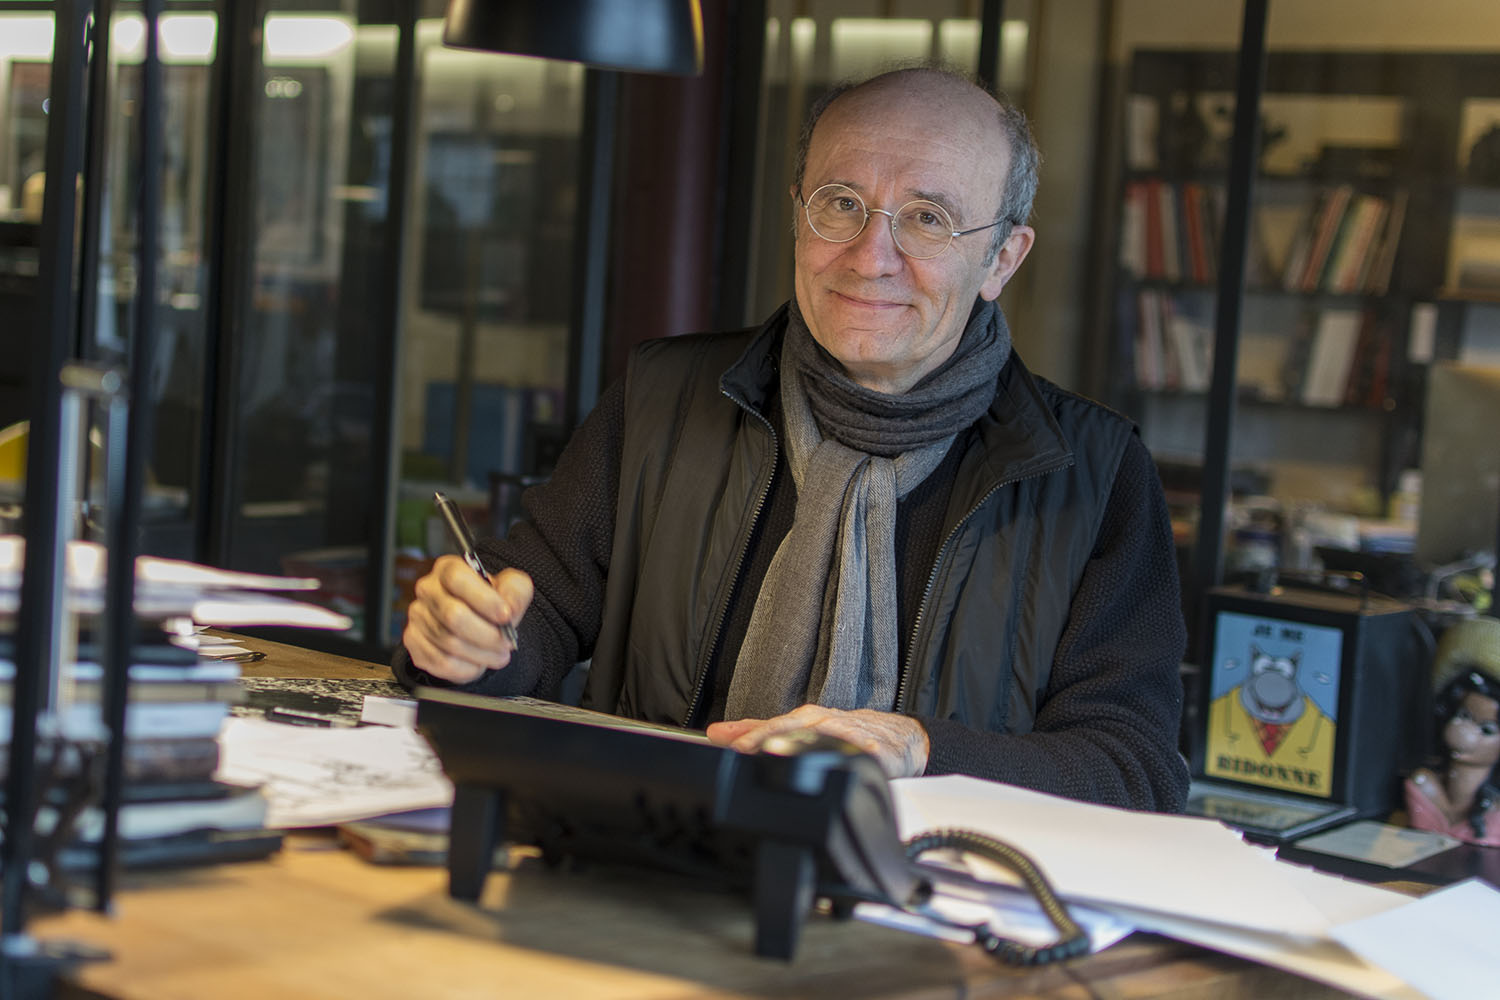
x=320 y=777
x=174 y=810
x=1198 y=881
x=168 y=588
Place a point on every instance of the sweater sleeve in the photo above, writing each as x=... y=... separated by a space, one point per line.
x=1106 y=730
x=563 y=541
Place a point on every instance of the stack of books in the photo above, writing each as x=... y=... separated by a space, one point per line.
x=174 y=812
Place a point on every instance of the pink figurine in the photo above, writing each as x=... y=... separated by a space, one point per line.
x=1461 y=798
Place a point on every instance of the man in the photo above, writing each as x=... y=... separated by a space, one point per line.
x=866 y=517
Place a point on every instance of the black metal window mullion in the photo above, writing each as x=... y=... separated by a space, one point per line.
x=384 y=465
x=38 y=625
x=1250 y=84
x=591 y=244
x=96 y=158
x=230 y=254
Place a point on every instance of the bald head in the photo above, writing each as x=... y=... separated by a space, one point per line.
x=948 y=100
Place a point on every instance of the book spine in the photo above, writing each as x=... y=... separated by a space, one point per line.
x=160 y=760
x=143 y=720
x=1192 y=210
x=1133 y=254
x=1155 y=263
x=1332 y=357
x=1300 y=250
x=1149 y=362
x=1352 y=261
x=1390 y=239
x=1330 y=220
x=1171 y=232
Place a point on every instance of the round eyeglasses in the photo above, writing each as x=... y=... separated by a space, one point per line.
x=922 y=229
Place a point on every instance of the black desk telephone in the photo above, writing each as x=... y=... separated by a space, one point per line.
x=807 y=817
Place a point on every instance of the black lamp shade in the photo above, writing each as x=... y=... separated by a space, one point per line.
x=652 y=36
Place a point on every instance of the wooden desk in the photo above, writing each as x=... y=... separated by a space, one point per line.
x=316 y=922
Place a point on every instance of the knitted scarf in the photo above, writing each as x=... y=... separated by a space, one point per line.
x=824 y=626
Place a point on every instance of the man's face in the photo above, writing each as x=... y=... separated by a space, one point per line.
x=887 y=318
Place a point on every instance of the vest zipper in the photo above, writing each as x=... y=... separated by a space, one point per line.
x=760 y=503
x=916 y=628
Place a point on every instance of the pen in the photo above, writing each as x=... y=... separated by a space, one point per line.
x=459 y=531
x=249 y=656
x=297 y=717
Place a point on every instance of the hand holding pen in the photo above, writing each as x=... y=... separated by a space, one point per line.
x=458 y=530
x=461 y=623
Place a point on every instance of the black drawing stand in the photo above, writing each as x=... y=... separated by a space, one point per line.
x=808 y=818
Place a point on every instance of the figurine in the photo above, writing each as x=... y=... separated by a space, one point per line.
x=1460 y=797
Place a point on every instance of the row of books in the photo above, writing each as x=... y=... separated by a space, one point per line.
x=1172 y=339
x=1337 y=357
x=1341 y=241
x=1170 y=231
x=1346 y=243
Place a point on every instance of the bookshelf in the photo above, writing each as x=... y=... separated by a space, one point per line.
x=1374 y=230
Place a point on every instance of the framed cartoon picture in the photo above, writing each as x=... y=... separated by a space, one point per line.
x=1274 y=711
x=1309 y=707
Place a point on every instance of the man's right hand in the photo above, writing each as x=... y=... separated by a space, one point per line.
x=453 y=627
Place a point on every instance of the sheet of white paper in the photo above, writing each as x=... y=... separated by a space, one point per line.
x=209 y=644
x=1325 y=961
x=1339 y=900
x=1177 y=865
x=226 y=609
x=232 y=610
x=87 y=561
x=319 y=777
x=381 y=711
x=167 y=588
x=223 y=652
x=1443 y=944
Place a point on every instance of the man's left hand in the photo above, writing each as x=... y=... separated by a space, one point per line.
x=898 y=742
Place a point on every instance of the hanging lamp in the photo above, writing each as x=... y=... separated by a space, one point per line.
x=649 y=36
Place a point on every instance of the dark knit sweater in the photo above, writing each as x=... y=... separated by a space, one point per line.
x=1109 y=663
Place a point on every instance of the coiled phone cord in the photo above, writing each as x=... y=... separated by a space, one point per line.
x=1072 y=940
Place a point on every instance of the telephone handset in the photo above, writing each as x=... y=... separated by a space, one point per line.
x=808 y=817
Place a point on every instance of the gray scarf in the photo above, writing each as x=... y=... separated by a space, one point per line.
x=824 y=626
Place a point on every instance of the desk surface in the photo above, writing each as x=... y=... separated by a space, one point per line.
x=316 y=922
x=283 y=660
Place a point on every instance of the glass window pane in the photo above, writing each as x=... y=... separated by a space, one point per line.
x=25 y=71
x=1374 y=290
x=308 y=446
x=187 y=41
x=485 y=344
x=1173 y=124
x=188 y=33
x=1368 y=319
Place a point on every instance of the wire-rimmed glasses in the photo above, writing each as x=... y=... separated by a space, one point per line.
x=922 y=229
